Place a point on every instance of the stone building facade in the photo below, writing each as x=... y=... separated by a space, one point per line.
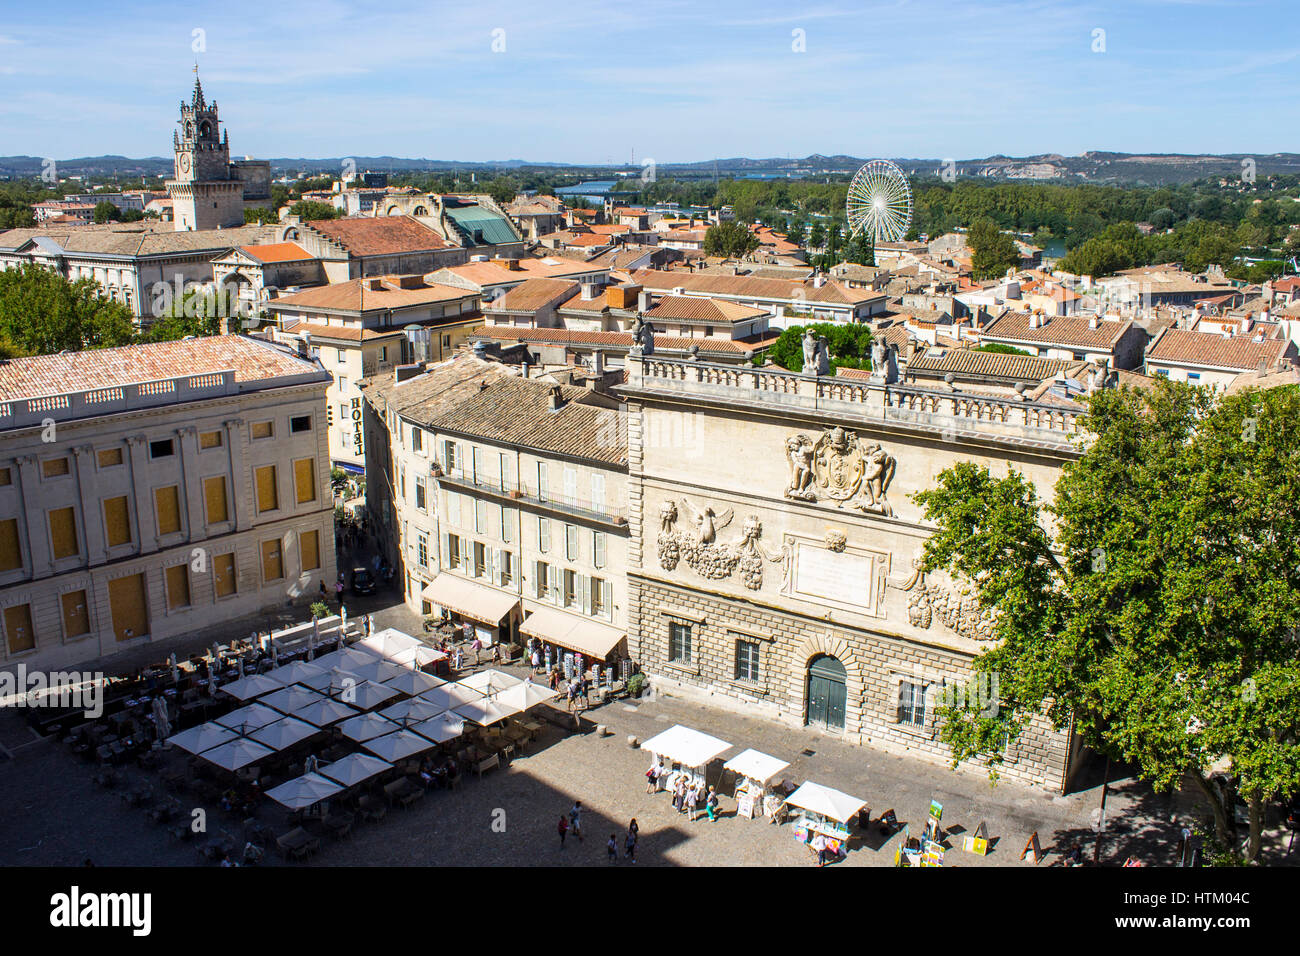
x=771 y=565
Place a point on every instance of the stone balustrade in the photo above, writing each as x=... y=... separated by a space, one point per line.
x=113 y=399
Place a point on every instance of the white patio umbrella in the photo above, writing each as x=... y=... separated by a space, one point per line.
x=239 y=666
x=451 y=696
x=311 y=641
x=237 y=753
x=418 y=656
x=490 y=682
x=333 y=680
x=161 y=721
x=291 y=698
x=305 y=791
x=413 y=682
x=364 y=727
x=296 y=672
x=275 y=654
x=440 y=729
x=525 y=696
x=379 y=671
x=756 y=766
x=388 y=642
x=413 y=710
x=324 y=712
x=486 y=711
x=365 y=695
x=355 y=768
x=249 y=718
x=343 y=621
x=203 y=737
x=688 y=747
x=284 y=733
x=398 y=745
x=255 y=685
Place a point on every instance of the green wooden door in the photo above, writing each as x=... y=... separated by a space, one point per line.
x=827 y=693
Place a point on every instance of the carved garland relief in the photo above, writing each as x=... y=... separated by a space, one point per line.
x=703 y=552
x=959 y=610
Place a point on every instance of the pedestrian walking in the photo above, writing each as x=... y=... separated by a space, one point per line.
x=711 y=805
x=456 y=661
x=612 y=848
x=476 y=646
x=679 y=795
x=575 y=819
x=819 y=847
x=536 y=660
x=573 y=695
x=629 y=843
x=370 y=624
x=692 y=801
x=563 y=828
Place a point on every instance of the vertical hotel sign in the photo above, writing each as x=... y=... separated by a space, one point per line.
x=356 y=427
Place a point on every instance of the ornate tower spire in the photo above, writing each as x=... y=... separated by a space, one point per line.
x=199 y=102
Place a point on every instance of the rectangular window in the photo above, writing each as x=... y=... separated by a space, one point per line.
x=598 y=597
x=911 y=704
x=214 y=499
x=417 y=439
x=117 y=521
x=128 y=605
x=11 y=555
x=272 y=561
x=162 y=448
x=178 y=586
x=108 y=457
x=449 y=457
x=598 y=548
x=453 y=551
x=571 y=542
x=76 y=614
x=420 y=493
x=343 y=386
x=505 y=471
x=598 y=493
x=342 y=356
x=506 y=568
x=167 y=503
x=6 y=478
x=543 y=535
x=542 y=481
x=571 y=486
x=541 y=580
x=679 y=642
x=268 y=497
x=747 y=661
x=223 y=573
x=211 y=440
x=570 y=588
x=18 y=628
x=63 y=533
x=506 y=522
x=300 y=423
x=304 y=479
x=309 y=548
x=54 y=467
x=263 y=430
x=476 y=461
x=422 y=549
x=480 y=559
x=480 y=516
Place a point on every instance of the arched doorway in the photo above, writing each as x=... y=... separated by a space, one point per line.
x=827 y=692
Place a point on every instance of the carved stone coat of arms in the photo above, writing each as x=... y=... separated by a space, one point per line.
x=841 y=468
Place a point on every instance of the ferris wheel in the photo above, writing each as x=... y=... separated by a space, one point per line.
x=880 y=202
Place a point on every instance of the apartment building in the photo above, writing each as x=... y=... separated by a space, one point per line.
x=149 y=491
x=502 y=499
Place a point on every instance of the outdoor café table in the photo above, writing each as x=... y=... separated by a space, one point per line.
x=532 y=726
x=339 y=824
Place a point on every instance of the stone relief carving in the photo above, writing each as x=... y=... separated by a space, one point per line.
x=703 y=552
x=957 y=609
x=835 y=540
x=839 y=468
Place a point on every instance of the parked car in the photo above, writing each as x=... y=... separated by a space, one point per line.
x=363 y=582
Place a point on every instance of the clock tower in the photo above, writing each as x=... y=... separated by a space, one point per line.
x=206 y=193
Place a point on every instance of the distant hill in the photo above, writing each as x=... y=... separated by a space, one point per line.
x=1095 y=166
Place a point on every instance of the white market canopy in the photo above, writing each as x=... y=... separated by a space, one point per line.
x=386 y=643
x=378 y=670
x=203 y=737
x=254 y=685
x=489 y=682
x=571 y=632
x=525 y=696
x=305 y=791
x=237 y=753
x=418 y=656
x=468 y=599
x=333 y=680
x=292 y=698
x=825 y=801
x=284 y=733
x=685 y=746
x=250 y=718
x=398 y=745
x=354 y=768
x=755 y=765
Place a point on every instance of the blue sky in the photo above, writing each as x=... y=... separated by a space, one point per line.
x=669 y=80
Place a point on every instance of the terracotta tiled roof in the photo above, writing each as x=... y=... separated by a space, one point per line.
x=1024 y=368
x=277 y=252
x=361 y=295
x=484 y=274
x=1070 y=331
x=340 y=333
x=1240 y=352
x=474 y=397
x=136 y=239
x=380 y=235
x=693 y=308
x=752 y=287
x=252 y=360
x=532 y=294
x=668 y=343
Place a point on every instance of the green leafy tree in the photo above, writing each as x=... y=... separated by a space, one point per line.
x=993 y=252
x=503 y=189
x=729 y=239
x=263 y=216
x=105 y=211
x=849 y=345
x=1000 y=349
x=309 y=209
x=199 y=312
x=41 y=312
x=1160 y=613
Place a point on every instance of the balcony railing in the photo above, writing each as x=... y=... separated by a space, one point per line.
x=949 y=413
x=520 y=493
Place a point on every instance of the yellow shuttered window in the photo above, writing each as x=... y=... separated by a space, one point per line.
x=309 y=547
x=272 y=563
x=76 y=614
x=18 y=628
x=304 y=479
x=117 y=521
x=210 y=439
x=54 y=467
x=223 y=572
x=128 y=607
x=262 y=430
x=214 y=494
x=168 y=501
x=267 y=496
x=11 y=556
x=63 y=533
x=109 y=457
x=6 y=477
x=178 y=586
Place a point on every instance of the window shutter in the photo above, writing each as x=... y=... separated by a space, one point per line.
x=570 y=486
x=539 y=579
x=542 y=483
x=607 y=598
x=487 y=560
x=453 y=508
x=598 y=548
x=553 y=582
x=598 y=493
x=544 y=534
x=446 y=546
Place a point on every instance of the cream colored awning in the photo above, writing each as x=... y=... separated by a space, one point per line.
x=572 y=632
x=468 y=599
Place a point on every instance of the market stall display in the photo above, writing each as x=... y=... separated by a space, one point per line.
x=755 y=770
x=821 y=810
x=683 y=752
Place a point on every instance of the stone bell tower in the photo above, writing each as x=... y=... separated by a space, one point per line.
x=205 y=193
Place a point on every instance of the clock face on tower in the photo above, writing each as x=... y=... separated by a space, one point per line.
x=183 y=163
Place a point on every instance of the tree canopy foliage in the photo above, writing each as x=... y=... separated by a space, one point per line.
x=729 y=239
x=849 y=345
x=41 y=312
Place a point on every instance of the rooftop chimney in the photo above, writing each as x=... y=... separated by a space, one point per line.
x=1094 y=321
x=556 y=398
